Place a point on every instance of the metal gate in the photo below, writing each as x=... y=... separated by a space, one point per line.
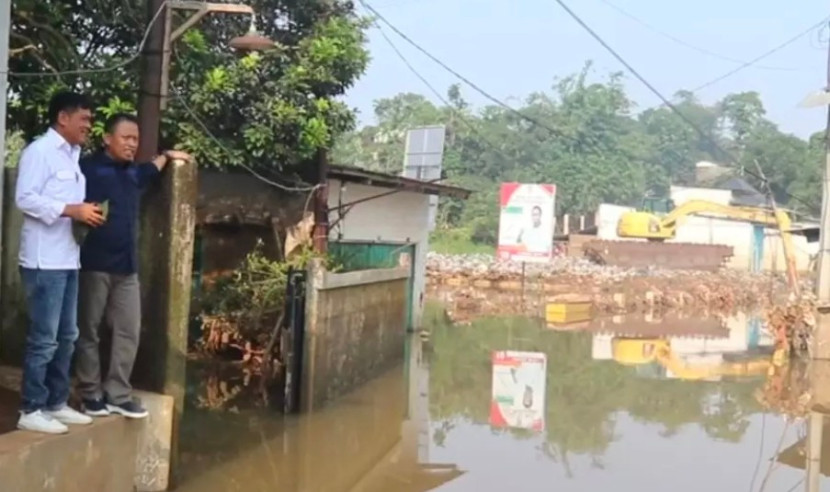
x=293 y=334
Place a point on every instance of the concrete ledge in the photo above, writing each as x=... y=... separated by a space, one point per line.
x=329 y=280
x=155 y=443
x=101 y=456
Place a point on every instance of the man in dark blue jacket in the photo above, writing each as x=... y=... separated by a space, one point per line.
x=109 y=288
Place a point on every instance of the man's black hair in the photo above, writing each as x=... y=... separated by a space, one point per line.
x=537 y=207
x=67 y=102
x=116 y=119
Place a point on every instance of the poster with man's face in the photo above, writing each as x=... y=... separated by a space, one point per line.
x=526 y=222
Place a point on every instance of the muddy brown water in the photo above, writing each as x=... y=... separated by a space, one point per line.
x=603 y=414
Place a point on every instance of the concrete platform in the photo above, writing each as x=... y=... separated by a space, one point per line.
x=101 y=456
x=111 y=455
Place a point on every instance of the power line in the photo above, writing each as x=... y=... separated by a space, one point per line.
x=437 y=94
x=110 y=68
x=666 y=101
x=687 y=44
x=464 y=79
x=761 y=56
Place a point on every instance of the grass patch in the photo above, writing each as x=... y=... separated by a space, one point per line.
x=457 y=242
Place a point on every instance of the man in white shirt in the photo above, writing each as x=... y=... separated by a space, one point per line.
x=50 y=193
x=535 y=237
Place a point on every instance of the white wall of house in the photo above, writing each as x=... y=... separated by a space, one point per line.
x=401 y=218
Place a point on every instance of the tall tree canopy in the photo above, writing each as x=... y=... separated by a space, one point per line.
x=271 y=109
x=586 y=136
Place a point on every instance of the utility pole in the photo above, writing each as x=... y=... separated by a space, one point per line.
x=821 y=337
x=5 y=31
x=149 y=98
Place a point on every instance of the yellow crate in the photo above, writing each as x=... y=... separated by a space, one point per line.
x=568 y=312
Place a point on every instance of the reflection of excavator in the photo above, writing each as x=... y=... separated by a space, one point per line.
x=642 y=352
x=658 y=222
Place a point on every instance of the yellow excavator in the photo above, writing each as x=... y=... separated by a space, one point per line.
x=643 y=351
x=658 y=222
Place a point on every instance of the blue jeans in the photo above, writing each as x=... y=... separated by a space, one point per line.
x=52 y=303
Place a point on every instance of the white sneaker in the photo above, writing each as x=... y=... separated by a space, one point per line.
x=38 y=421
x=67 y=415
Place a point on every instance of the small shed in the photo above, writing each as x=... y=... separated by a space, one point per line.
x=375 y=220
x=378 y=220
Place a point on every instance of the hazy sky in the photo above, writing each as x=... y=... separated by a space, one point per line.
x=513 y=48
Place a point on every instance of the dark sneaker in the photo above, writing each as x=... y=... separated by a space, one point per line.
x=95 y=408
x=131 y=409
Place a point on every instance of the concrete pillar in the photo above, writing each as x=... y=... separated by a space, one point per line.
x=566 y=224
x=814 y=438
x=12 y=302
x=581 y=223
x=166 y=257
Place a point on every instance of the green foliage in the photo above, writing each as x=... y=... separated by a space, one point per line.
x=254 y=294
x=457 y=241
x=602 y=150
x=14 y=146
x=271 y=110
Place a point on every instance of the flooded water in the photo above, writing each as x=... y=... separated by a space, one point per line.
x=617 y=404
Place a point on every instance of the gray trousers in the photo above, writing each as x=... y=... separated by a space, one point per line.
x=115 y=300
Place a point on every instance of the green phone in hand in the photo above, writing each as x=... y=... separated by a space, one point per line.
x=80 y=230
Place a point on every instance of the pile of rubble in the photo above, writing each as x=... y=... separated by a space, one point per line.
x=480 y=285
x=488 y=266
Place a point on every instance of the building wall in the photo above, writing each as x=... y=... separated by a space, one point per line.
x=401 y=218
x=353 y=330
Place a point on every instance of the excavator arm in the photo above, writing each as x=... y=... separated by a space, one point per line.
x=775 y=218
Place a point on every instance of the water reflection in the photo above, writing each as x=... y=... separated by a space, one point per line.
x=627 y=404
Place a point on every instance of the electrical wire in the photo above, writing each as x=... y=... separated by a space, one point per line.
x=252 y=171
x=689 y=45
x=464 y=79
x=760 y=57
x=458 y=114
x=110 y=68
x=669 y=104
x=556 y=132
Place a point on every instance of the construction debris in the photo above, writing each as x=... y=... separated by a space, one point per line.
x=480 y=285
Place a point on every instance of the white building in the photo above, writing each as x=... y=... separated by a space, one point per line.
x=377 y=219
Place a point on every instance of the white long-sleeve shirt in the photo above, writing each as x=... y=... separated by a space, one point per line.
x=48 y=179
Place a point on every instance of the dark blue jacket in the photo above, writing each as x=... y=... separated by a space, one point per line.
x=111 y=248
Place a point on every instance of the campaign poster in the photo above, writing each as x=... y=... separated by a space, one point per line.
x=518 y=393
x=526 y=222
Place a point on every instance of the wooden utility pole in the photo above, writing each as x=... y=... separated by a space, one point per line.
x=149 y=99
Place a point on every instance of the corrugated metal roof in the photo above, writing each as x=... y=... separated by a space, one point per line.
x=383 y=180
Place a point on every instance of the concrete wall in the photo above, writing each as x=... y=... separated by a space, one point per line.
x=235 y=210
x=401 y=217
x=12 y=302
x=355 y=328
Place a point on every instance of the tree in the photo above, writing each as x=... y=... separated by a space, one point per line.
x=271 y=110
x=584 y=136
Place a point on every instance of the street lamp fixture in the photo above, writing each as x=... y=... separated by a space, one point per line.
x=201 y=9
x=250 y=41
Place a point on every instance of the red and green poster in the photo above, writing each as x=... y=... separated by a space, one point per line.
x=526 y=222
x=518 y=393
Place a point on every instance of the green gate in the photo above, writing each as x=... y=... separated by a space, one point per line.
x=355 y=255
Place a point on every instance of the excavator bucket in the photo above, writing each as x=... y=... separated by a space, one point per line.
x=668 y=256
